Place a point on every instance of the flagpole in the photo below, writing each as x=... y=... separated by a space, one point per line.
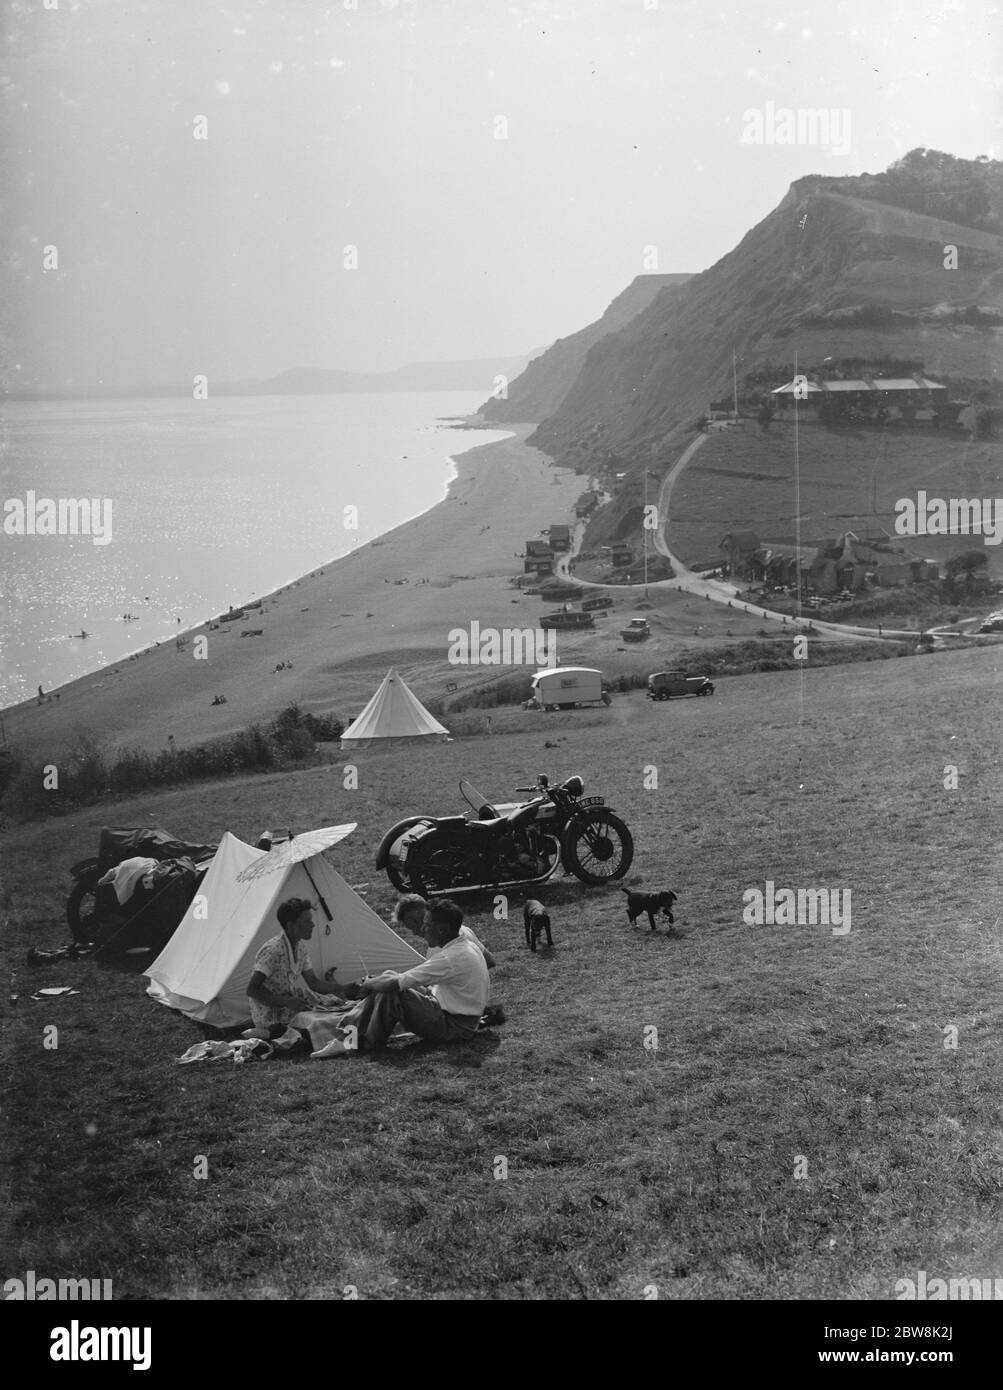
x=644 y=530
x=734 y=382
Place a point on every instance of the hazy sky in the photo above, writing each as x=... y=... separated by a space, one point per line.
x=375 y=126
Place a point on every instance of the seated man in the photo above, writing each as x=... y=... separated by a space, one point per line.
x=448 y=1010
x=283 y=982
x=411 y=911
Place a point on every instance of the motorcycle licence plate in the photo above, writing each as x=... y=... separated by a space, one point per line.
x=592 y=801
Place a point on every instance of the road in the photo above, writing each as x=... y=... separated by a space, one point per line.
x=689 y=581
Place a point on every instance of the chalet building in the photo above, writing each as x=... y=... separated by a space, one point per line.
x=779 y=565
x=910 y=400
x=539 y=558
x=560 y=538
x=739 y=547
x=586 y=504
x=846 y=562
x=538 y=564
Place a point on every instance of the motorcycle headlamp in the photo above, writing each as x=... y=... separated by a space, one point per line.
x=574 y=785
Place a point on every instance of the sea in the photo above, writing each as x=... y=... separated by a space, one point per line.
x=214 y=503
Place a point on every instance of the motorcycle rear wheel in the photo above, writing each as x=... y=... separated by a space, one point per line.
x=599 y=851
x=81 y=914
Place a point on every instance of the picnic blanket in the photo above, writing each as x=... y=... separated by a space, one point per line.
x=324 y=1025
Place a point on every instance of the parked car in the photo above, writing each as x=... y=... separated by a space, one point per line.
x=662 y=685
x=993 y=623
x=636 y=631
x=566 y=687
x=566 y=620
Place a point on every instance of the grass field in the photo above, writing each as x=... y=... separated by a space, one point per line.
x=781 y=1050
x=850 y=481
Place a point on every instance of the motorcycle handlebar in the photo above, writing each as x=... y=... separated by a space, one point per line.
x=542 y=784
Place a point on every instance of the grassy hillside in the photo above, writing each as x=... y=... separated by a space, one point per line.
x=539 y=390
x=824 y=250
x=626 y=1166
x=745 y=480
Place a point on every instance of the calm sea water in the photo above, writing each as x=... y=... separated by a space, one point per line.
x=214 y=502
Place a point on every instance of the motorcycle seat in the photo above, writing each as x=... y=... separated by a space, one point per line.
x=450 y=822
x=488 y=827
x=513 y=820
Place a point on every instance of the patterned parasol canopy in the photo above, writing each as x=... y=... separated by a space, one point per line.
x=300 y=847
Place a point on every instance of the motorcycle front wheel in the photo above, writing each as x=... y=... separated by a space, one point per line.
x=598 y=851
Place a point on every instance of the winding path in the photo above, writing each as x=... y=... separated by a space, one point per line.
x=689 y=581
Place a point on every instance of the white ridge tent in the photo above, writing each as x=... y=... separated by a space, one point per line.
x=393 y=712
x=205 y=968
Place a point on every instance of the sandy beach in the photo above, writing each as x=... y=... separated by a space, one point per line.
x=341 y=627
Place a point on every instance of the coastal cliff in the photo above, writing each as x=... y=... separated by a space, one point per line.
x=541 y=388
x=834 y=272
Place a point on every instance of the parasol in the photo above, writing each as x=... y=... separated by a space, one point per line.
x=296 y=850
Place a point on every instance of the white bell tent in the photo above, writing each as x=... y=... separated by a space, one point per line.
x=393 y=712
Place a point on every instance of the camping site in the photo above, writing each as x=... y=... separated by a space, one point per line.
x=809 y=1122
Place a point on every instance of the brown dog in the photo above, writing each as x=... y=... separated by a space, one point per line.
x=649 y=903
x=536 y=920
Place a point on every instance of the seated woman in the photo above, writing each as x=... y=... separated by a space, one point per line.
x=283 y=982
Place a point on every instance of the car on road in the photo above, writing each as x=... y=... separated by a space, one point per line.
x=993 y=623
x=636 y=631
x=567 y=620
x=662 y=685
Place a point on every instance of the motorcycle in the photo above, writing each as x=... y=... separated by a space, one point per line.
x=508 y=846
x=93 y=912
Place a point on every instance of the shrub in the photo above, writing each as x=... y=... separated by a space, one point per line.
x=24 y=797
x=132 y=770
x=326 y=728
x=86 y=771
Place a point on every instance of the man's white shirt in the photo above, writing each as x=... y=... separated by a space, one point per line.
x=456 y=973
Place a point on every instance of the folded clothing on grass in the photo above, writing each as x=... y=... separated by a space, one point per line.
x=241 y=1049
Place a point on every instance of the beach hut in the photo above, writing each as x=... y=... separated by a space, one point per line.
x=393 y=712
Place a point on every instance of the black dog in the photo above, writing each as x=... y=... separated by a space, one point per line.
x=536 y=920
x=649 y=903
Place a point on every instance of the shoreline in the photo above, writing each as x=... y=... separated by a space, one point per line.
x=202 y=625
x=339 y=626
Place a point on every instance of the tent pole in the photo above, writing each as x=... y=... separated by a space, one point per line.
x=320 y=895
